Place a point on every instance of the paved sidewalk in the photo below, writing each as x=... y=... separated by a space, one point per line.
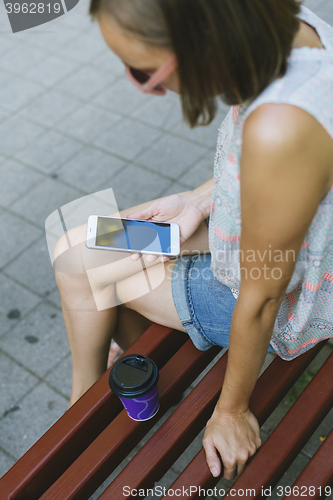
x=71 y=125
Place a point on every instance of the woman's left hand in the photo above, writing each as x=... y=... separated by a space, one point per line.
x=236 y=436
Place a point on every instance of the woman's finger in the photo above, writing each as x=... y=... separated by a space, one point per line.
x=229 y=473
x=212 y=459
x=143 y=214
x=240 y=468
x=135 y=256
x=151 y=258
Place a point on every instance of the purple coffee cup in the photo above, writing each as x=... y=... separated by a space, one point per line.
x=133 y=378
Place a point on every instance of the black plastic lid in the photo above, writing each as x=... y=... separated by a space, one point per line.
x=133 y=376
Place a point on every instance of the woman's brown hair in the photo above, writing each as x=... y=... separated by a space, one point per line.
x=230 y=48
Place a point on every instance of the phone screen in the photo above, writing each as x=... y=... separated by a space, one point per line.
x=133 y=235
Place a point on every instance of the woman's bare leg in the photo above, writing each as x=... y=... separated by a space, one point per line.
x=89 y=298
x=130 y=326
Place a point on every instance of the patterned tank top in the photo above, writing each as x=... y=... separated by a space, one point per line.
x=305 y=316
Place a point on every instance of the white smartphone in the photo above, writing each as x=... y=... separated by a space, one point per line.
x=129 y=235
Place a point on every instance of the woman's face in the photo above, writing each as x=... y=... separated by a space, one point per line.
x=135 y=53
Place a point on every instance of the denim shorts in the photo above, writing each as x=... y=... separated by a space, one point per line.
x=203 y=303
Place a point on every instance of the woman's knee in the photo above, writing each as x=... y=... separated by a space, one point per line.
x=68 y=252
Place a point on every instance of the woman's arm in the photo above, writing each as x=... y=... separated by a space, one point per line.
x=187 y=209
x=285 y=172
x=202 y=197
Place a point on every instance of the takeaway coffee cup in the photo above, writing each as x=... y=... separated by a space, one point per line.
x=133 y=378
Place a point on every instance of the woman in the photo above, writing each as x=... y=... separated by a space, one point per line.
x=268 y=279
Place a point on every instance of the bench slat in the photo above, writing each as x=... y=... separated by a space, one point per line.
x=270 y=388
x=47 y=459
x=98 y=461
x=159 y=453
x=290 y=435
x=318 y=473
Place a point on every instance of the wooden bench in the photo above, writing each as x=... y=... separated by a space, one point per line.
x=91 y=439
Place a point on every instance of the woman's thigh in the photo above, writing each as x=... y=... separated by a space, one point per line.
x=148 y=291
x=106 y=268
x=155 y=302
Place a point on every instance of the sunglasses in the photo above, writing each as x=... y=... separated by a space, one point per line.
x=151 y=84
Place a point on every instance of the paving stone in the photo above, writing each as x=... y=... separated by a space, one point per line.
x=88 y=123
x=22 y=58
x=128 y=139
x=109 y=62
x=54 y=298
x=50 y=152
x=15 y=383
x=6 y=463
x=5 y=78
x=313 y=4
x=16 y=133
x=14 y=98
x=15 y=181
x=61 y=377
x=3 y=115
x=174 y=188
x=53 y=70
x=39 y=341
x=53 y=41
x=22 y=234
x=15 y=302
x=6 y=42
x=321 y=432
x=77 y=20
x=171 y=156
x=87 y=83
x=5 y=26
x=90 y=169
x=83 y=8
x=122 y=97
x=22 y=38
x=35 y=414
x=76 y=214
x=43 y=200
x=84 y=47
x=160 y=112
x=51 y=107
x=200 y=173
x=207 y=135
x=133 y=186
x=34 y=269
x=325 y=11
x=93 y=27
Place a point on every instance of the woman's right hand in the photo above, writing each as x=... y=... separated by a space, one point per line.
x=177 y=208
